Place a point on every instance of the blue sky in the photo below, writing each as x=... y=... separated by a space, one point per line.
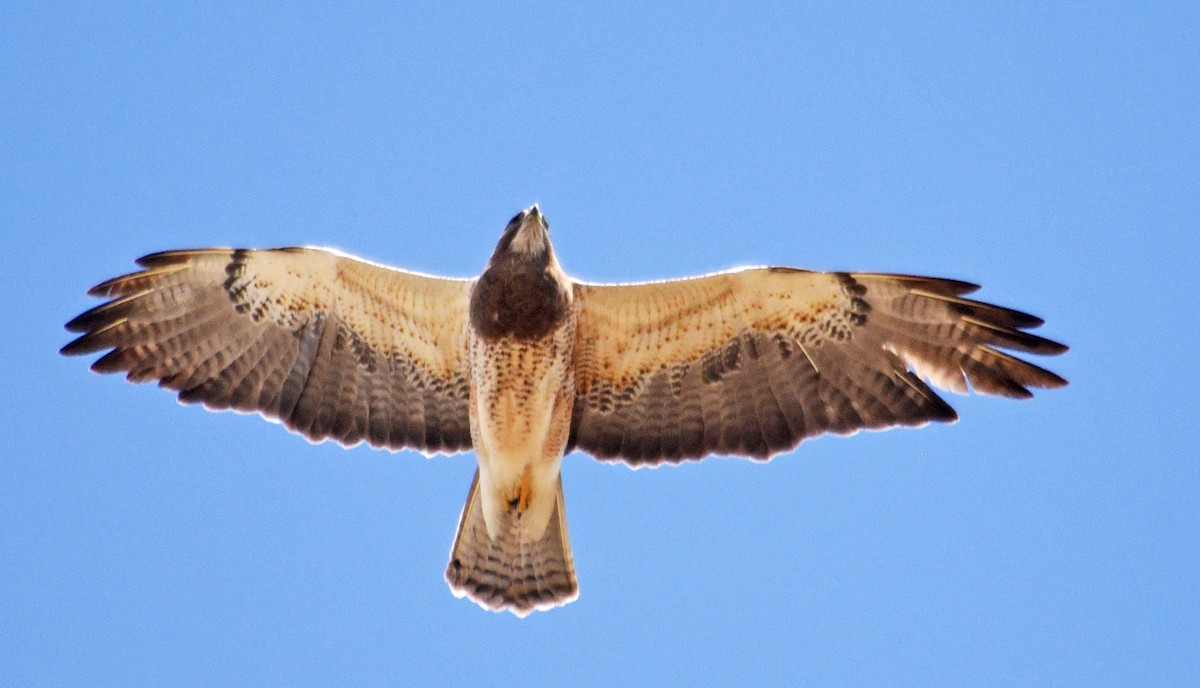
x=1048 y=153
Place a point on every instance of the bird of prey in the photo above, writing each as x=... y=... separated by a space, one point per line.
x=524 y=364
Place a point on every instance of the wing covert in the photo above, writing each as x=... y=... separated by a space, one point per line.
x=751 y=362
x=332 y=346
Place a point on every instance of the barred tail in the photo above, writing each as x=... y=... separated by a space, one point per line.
x=512 y=571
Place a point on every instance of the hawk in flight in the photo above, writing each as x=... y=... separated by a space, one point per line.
x=524 y=364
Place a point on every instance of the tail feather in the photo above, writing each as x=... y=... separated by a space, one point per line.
x=512 y=572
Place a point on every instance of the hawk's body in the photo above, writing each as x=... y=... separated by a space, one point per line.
x=524 y=364
x=522 y=354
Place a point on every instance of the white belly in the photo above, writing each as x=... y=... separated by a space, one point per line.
x=514 y=425
x=521 y=397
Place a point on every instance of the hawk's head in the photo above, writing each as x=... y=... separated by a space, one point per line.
x=527 y=236
x=523 y=292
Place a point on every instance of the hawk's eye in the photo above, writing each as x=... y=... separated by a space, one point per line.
x=517 y=218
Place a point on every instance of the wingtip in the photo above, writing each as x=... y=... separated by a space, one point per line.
x=104 y=289
x=93 y=318
x=944 y=413
x=76 y=324
x=82 y=345
x=1054 y=381
x=71 y=348
x=962 y=287
x=165 y=257
x=1056 y=348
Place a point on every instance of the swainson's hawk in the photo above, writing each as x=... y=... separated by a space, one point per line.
x=524 y=364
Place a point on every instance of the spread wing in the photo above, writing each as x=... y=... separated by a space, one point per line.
x=751 y=362
x=332 y=346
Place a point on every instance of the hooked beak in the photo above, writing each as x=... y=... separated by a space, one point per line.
x=534 y=214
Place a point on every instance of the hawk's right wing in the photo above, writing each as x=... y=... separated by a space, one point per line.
x=332 y=346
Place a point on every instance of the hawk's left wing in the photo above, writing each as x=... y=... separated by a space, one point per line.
x=332 y=346
x=751 y=362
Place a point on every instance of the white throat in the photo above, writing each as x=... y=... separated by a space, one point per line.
x=529 y=241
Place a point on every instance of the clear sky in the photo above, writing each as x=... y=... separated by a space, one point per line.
x=1050 y=154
